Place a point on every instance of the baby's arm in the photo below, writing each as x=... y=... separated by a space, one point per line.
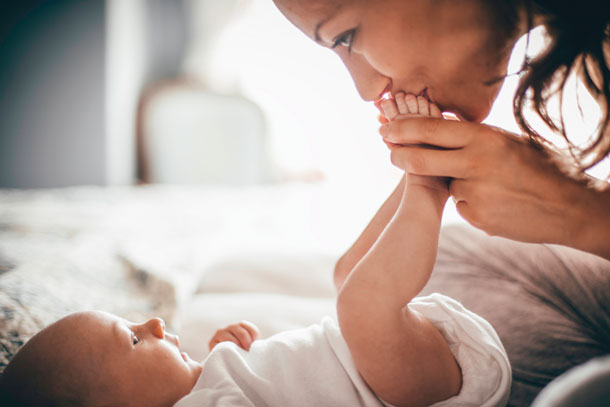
x=401 y=355
x=242 y=334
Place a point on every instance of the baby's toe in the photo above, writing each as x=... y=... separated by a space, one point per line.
x=423 y=106
x=401 y=103
x=411 y=102
x=389 y=108
x=435 y=111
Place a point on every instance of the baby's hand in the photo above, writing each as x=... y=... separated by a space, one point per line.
x=242 y=334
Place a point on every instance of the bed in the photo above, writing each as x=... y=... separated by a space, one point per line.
x=204 y=257
x=199 y=257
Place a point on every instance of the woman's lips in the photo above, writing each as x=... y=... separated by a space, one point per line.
x=388 y=94
x=452 y=114
x=384 y=93
x=426 y=94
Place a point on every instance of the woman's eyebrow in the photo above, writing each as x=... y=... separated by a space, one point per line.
x=320 y=24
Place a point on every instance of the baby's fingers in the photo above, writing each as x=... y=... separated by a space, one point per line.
x=251 y=328
x=223 y=335
x=243 y=335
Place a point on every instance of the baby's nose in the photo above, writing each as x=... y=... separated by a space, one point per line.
x=157 y=326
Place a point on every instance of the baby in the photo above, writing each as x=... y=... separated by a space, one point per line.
x=388 y=348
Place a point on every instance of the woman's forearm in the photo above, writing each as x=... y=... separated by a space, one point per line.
x=369 y=236
x=592 y=227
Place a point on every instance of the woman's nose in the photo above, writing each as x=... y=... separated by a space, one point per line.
x=156 y=327
x=370 y=83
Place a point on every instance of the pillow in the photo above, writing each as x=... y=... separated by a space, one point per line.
x=299 y=274
x=549 y=304
x=584 y=385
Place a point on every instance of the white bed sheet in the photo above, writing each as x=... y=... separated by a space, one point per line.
x=201 y=256
x=172 y=250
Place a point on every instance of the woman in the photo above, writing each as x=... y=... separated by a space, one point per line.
x=550 y=308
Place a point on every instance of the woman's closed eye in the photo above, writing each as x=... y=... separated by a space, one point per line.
x=346 y=39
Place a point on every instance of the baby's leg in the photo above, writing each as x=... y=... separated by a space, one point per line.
x=408 y=106
x=402 y=107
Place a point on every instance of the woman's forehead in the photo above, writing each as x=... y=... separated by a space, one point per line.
x=309 y=6
x=307 y=14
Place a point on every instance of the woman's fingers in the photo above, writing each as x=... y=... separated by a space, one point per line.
x=503 y=184
x=467 y=200
x=382 y=119
x=466 y=211
x=427 y=161
x=459 y=189
x=436 y=132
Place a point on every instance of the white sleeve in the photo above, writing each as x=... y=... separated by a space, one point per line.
x=486 y=372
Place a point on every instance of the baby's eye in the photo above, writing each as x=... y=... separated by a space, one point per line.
x=346 y=39
x=134 y=339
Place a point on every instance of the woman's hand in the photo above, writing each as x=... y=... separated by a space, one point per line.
x=242 y=334
x=503 y=184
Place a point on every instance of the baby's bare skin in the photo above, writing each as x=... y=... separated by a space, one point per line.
x=405 y=107
x=384 y=270
x=96 y=358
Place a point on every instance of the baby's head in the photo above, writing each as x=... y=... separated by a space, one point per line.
x=98 y=359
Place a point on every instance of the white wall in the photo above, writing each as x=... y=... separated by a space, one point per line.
x=126 y=70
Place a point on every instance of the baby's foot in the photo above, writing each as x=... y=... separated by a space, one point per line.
x=411 y=106
x=405 y=106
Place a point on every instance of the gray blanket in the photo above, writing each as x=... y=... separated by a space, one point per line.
x=549 y=304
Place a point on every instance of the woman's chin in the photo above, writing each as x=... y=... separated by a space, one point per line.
x=469 y=115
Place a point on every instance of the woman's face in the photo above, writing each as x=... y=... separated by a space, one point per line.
x=446 y=50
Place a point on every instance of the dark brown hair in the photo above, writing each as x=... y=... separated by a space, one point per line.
x=579 y=44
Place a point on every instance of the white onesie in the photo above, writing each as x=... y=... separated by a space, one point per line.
x=313 y=366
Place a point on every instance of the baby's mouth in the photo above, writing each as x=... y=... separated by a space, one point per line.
x=183 y=354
